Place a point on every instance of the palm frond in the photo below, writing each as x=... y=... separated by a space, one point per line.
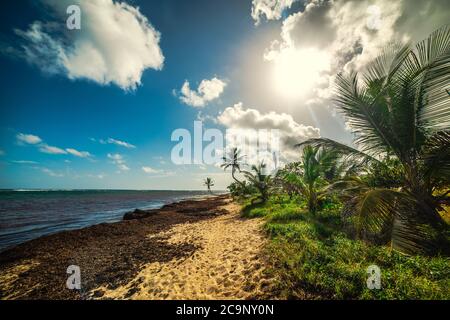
x=340 y=149
x=377 y=210
x=433 y=69
x=436 y=157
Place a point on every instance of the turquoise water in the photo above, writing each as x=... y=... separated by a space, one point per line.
x=29 y=214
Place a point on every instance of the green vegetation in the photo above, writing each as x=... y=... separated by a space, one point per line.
x=314 y=257
x=340 y=209
x=398 y=108
x=259 y=180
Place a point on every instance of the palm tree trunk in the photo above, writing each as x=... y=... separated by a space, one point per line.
x=312 y=199
x=235 y=179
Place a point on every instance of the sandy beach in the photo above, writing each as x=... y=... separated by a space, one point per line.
x=194 y=249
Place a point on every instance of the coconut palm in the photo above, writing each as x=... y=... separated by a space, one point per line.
x=259 y=180
x=233 y=161
x=317 y=165
x=209 y=183
x=399 y=107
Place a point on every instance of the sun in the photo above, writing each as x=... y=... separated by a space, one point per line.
x=297 y=71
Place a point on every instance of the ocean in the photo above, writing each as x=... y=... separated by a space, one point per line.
x=29 y=214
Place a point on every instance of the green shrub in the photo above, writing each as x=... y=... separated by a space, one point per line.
x=312 y=258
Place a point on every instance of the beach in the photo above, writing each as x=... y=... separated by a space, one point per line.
x=192 y=249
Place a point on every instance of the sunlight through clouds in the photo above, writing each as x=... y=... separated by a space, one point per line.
x=298 y=71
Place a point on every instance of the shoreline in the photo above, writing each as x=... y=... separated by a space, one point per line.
x=39 y=219
x=110 y=255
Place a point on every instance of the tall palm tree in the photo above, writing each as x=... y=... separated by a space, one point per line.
x=399 y=107
x=209 y=183
x=234 y=161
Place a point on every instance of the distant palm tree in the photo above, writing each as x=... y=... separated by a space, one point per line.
x=399 y=107
x=233 y=161
x=209 y=183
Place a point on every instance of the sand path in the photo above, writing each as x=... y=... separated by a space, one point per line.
x=227 y=264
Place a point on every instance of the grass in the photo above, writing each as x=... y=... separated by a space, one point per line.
x=313 y=258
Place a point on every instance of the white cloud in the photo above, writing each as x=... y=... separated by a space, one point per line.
x=28 y=138
x=97 y=176
x=270 y=9
x=349 y=34
x=114 y=141
x=51 y=149
x=290 y=132
x=118 y=142
x=24 y=162
x=45 y=148
x=115 y=45
x=52 y=173
x=123 y=167
x=155 y=173
x=150 y=170
x=116 y=157
x=119 y=161
x=80 y=154
x=207 y=91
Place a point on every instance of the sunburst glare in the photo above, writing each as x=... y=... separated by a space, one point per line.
x=297 y=71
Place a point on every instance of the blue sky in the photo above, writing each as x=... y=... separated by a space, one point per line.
x=200 y=40
x=196 y=44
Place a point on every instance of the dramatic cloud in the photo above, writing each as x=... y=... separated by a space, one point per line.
x=346 y=35
x=207 y=91
x=115 y=45
x=119 y=161
x=290 y=132
x=28 y=138
x=270 y=9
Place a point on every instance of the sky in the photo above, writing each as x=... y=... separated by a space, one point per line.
x=96 y=107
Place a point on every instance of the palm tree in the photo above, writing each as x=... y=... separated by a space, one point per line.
x=399 y=107
x=317 y=166
x=233 y=161
x=259 y=180
x=285 y=178
x=209 y=183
